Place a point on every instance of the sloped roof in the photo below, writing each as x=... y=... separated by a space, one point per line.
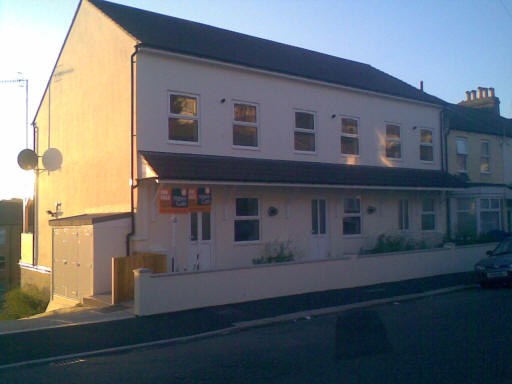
x=478 y=120
x=88 y=219
x=178 y=166
x=205 y=41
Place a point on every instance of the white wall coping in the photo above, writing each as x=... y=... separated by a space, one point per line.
x=333 y=259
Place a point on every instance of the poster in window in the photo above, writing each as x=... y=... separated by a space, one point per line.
x=200 y=199
x=173 y=200
x=184 y=200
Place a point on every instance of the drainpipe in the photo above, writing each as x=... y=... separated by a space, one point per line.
x=35 y=229
x=132 y=155
x=445 y=130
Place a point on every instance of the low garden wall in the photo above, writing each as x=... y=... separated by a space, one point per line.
x=169 y=292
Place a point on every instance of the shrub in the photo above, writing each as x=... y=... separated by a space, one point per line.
x=396 y=243
x=275 y=252
x=468 y=238
x=19 y=303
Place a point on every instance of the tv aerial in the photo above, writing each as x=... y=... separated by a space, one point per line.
x=52 y=160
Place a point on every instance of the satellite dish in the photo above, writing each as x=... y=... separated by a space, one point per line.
x=27 y=159
x=52 y=159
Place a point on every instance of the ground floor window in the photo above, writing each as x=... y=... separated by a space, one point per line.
x=428 y=215
x=403 y=214
x=489 y=215
x=352 y=216
x=247 y=220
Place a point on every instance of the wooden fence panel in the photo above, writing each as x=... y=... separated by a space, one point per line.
x=122 y=272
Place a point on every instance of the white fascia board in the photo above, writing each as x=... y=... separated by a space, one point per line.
x=298 y=185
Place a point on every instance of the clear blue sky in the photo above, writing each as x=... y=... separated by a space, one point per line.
x=453 y=46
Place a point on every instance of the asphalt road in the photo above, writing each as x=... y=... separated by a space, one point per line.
x=47 y=343
x=462 y=337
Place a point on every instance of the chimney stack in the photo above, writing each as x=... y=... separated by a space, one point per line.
x=421 y=85
x=486 y=100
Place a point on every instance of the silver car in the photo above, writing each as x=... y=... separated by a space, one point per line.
x=497 y=267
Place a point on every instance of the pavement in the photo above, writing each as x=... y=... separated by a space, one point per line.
x=84 y=331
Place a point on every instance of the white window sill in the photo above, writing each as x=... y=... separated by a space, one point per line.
x=245 y=243
x=349 y=155
x=177 y=142
x=245 y=148
x=309 y=153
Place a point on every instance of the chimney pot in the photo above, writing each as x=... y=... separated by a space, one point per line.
x=491 y=90
x=486 y=93
x=473 y=95
x=468 y=95
x=480 y=92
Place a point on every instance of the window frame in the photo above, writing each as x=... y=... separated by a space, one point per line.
x=246 y=124
x=351 y=135
x=486 y=156
x=401 y=217
x=304 y=130
x=465 y=155
x=400 y=141
x=187 y=117
x=480 y=210
x=354 y=214
x=247 y=218
x=424 y=144
x=428 y=213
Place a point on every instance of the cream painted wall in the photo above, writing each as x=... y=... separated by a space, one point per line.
x=276 y=98
x=109 y=242
x=159 y=293
x=85 y=113
x=474 y=140
x=293 y=222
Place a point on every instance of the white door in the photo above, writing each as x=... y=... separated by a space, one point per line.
x=200 y=236
x=319 y=239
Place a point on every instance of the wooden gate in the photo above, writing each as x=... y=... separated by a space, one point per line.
x=122 y=272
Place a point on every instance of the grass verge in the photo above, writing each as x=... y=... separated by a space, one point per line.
x=19 y=303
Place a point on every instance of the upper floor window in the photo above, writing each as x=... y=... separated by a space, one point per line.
x=403 y=215
x=247 y=219
x=304 y=133
x=426 y=145
x=245 y=125
x=485 y=156
x=183 y=118
x=428 y=215
x=352 y=216
x=461 y=146
x=393 y=141
x=349 y=136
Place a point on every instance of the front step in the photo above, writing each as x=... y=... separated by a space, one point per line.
x=98 y=300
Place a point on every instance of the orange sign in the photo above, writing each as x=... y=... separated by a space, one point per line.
x=184 y=200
